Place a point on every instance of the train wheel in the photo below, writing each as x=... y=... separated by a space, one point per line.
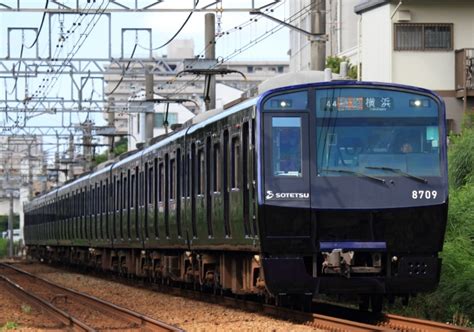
x=376 y=302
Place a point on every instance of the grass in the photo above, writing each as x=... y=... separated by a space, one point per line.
x=453 y=301
x=9 y=326
x=3 y=247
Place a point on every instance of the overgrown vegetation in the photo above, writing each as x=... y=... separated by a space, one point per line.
x=9 y=326
x=3 y=247
x=454 y=299
x=119 y=148
x=4 y=222
x=334 y=62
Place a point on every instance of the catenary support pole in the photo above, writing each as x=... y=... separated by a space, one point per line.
x=210 y=53
x=10 y=228
x=149 y=95
x=318 y=25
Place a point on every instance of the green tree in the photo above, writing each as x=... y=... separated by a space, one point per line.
x=119 y=148
x=334 y=62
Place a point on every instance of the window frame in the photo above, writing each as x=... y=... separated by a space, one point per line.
x=423 y=47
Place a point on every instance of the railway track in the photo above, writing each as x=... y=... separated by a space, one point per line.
x=347 y=320
x=75 y=310
x=400 y=323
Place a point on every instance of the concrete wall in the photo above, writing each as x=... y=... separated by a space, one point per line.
x=376 y=44
x=5 y=206
x=435 y=70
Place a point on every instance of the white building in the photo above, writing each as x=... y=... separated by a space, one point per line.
x=341 y=29
x=421 y=43
x=22 y=164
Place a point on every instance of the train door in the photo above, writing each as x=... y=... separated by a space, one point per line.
x=287 y=181
x=225 y=184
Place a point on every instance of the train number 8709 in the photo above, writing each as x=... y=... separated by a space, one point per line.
x=424 y=194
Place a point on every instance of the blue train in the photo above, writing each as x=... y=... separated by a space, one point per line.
x=324 y=188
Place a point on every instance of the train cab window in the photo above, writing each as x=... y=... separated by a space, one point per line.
x=286 y=146
x=235 y=162
x=217 y=168
x=201 y=171
x=287 y=102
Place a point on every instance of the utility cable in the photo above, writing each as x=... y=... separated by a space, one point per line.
x=177 y=32
x=126 y=69
x=41 y=26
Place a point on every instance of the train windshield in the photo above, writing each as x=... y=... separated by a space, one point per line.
x=376 y=132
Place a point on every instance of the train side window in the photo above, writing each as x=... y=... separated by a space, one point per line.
x=132 y=194
x=125 y=193
x=129 y=189
x=201 y=171
x=182 y=174
x=188 y=175
x=172 y=178
x=107 y=207
x=161 y=184
x=100 y=204
x=118 y=195
x=150 y=185
x=140 y=188
x=155 y=196
x=235 y=162
x=217 y=169
x=179 y=182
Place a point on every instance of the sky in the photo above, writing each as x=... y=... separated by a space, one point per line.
x=242 y=31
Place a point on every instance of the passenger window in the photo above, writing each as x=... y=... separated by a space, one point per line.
x=150 y=185
x=217 y=172
x=172 y=178
x=132 y=185
x=236 y=155
x=162 y=178
x=286 y=146
x=201 y=171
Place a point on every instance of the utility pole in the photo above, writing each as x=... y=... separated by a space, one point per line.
x=71 y=156
x=111 y=123
x=30 y=173
x=10 y=228
x=149 y=114
x=318 y=25
x=210 y=53
x=87 y=142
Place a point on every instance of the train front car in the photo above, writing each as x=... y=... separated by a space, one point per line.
x=353 y=189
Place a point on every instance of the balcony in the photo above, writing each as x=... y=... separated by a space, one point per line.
x=464 y=73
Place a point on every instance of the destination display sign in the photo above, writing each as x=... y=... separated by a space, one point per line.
x=340 y=104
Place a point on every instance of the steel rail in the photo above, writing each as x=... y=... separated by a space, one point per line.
x=386 y=322
x=142 y=321
x=401 y=323
x=57 y=314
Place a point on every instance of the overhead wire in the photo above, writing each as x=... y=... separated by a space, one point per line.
x=177 y=32
x=41 y=26
x=303 y=11
x=76 y=47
